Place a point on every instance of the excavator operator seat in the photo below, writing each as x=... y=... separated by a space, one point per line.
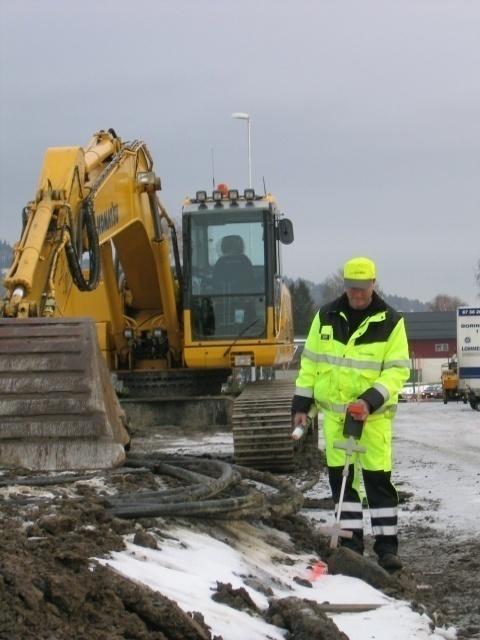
x=233 y=271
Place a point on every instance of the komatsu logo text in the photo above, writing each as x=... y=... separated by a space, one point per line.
x=108 y=218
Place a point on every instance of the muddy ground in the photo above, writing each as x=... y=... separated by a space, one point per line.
x=50 y=590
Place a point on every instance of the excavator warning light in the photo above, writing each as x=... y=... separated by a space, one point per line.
x=233 y=195
x=217 y=196
x=201 y=196
x=223 y=188
x=249 y=194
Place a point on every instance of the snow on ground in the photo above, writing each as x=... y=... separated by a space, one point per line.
x=187 y=568
x=437 y=455
x=437 y=449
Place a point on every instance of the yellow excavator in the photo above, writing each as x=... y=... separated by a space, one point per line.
x=97 y=286
x=449 y=379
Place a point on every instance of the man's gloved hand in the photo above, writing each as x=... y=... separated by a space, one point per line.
x=359 y=410
x=299 y=423
x=299 y=419
x=357 y=413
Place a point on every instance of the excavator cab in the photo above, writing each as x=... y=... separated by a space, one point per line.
x=236 y=308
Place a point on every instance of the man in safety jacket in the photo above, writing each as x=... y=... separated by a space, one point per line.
x=356 y=360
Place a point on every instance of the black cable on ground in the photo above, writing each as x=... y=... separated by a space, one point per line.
x=159 y=504
x=199 y=496
x=288 y=498
x=285 y=501
x=203 y=487
x=220 y=508
x=45 y=481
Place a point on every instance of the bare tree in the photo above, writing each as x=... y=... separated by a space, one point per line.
x=332 y=287
x=443 y=302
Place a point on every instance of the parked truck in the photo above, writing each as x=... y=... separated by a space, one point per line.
x=468 y=354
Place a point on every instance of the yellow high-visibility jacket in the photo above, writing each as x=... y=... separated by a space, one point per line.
x=371 y=364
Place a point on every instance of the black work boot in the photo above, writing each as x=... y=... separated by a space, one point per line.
x=390 y=562
x=386 y=548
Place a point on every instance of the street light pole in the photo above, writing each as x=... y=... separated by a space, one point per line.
x=246 y=116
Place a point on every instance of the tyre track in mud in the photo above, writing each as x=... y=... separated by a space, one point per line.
x=446 y=569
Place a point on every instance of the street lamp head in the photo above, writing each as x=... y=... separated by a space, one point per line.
x=246 y=116
x=241 y=116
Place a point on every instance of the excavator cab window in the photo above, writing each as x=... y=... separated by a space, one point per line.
x=226 y=274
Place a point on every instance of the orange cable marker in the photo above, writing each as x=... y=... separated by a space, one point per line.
x=317 y=570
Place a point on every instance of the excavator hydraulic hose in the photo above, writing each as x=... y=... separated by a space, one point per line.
x=74 y=260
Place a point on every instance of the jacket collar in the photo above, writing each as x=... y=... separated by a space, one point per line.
x=377 y=304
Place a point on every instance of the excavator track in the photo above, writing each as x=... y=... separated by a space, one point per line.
x=262 y=426
x=180 y=397
x=173 y=383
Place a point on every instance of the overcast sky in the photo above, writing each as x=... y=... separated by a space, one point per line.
x=365 y=116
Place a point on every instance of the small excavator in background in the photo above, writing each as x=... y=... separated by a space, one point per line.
x=449 y=380
x=97 y=286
